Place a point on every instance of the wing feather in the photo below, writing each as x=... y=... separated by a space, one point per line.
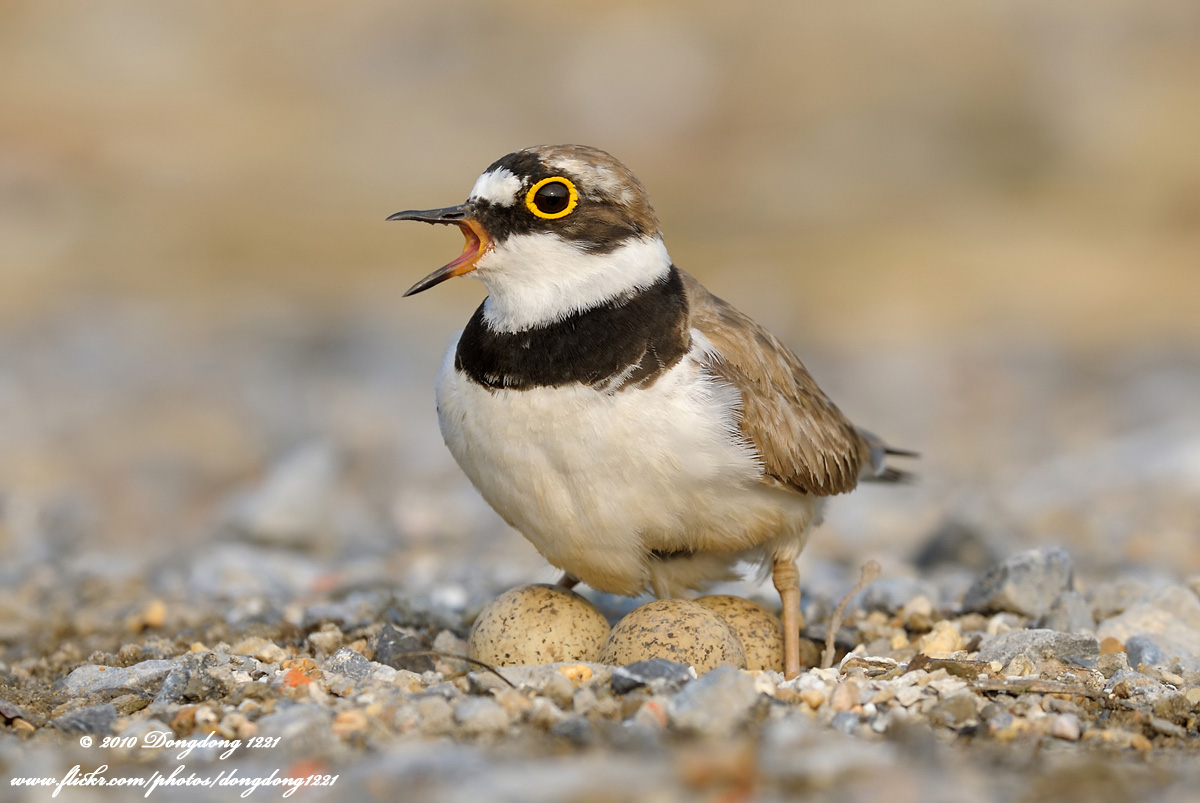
x=805 y=442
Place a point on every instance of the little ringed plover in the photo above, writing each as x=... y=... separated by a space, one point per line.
x=642 y=433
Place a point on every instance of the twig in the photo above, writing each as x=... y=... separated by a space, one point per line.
x=870 y=572
x=452 y=656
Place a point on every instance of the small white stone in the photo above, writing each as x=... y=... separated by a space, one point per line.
x=1066 y=726
x=947 y=686
x=909 y=695
x=919 y=605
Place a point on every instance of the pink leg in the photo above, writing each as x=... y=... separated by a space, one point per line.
x=787 y=583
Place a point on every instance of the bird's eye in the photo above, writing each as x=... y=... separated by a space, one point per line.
x=552 y=198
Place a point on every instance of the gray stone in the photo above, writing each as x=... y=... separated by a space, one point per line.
x=660 y=674
x=890 y=594
x=196 y=677
x=1189 y=668
x=959 y=711
x=957 y=543
x=1041 y=645
x=357 y=609
x=1143 y=651
x=91 y=680
x=294 y=504
x=477 y=716
x=1171 y=615
x=798 y=752
x=1066 y=727
x=1111 y=598
x=393 y=648
x=1137 y=687
x=846 y=722
x=1027 y=583
x=578 y=730
x=10 y=711
x=96 y=719
x=1070 y=613
x=304 y=727
x=419 y=612
x=548 y=679
x=1110 y=663
x=350 y=663
x=716 y=704
x=1168 y=728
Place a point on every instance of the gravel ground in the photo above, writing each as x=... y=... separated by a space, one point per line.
x=265 y=536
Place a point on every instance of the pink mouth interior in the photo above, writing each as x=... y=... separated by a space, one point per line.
x=472 y=248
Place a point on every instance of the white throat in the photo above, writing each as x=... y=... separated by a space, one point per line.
x=537 y=279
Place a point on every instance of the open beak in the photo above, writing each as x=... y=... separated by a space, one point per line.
x=476 y=246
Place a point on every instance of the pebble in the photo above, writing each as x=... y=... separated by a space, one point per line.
x=92 y=680
x=1040 y=645
x=893 y=594
x=361 y=608
x=660 y=674
x=956 y=711
x=907 y=696
x=1113 y=597
x=1070 y=613
x=393 y=648
x=436 y=715
x=959 y=543
x=477 y=716
x=578 y=730
x=1132 y=684
x=1145 y=651
x=293 y=506
x=941 y=642
x=262 y=649
x=544 y=713
x=1170 y=615
x=813 y=698
x=350 y=723
x=196 y=677
x=349 y=663
x=845 y=696
x=327 y=640
x=94 y=719
x=11 y=711
x=1067 y=727
x=1110 y=663
x=1027 y=583
x=716 y=704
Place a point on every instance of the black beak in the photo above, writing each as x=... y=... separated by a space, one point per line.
x=448 y=214
x=475 y=247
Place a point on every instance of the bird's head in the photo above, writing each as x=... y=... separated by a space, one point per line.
x=551 y=231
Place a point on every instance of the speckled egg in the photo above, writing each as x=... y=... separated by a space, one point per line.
x=759 y=630
x=678 y=630
x=537 y=624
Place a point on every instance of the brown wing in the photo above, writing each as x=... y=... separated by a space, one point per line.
x=805 y=442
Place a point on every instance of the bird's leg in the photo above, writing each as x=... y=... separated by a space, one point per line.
x=568 y=580
x=787 y=583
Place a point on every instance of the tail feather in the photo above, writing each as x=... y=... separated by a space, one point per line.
x=879 y=451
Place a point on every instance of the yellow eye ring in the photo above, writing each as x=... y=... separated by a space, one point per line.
x=572 y=198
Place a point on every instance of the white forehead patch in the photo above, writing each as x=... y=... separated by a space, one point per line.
x=499 y=187
x=598 y=176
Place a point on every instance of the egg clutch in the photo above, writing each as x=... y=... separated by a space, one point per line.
x=542 y=624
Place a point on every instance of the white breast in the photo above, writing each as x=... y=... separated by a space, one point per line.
x=596 y=481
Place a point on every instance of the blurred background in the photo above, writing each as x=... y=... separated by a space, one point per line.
x=979 y=224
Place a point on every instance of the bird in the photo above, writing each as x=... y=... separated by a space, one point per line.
x=643 y=434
